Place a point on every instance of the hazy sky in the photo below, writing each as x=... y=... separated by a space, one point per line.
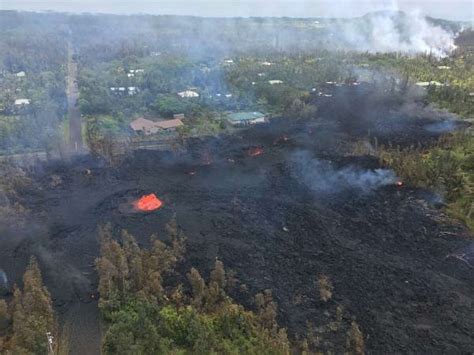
x=449 y=9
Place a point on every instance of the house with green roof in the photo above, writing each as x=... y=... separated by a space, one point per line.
x=246 y=118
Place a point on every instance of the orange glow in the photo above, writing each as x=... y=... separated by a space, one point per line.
x=253 y=152
x=147 y=203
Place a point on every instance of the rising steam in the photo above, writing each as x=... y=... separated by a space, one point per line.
x=3 y=280
x=394 y=31
x=321 y=177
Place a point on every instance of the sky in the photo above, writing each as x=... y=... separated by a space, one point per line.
x=448 y=9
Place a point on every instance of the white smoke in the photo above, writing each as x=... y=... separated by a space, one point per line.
x=321 y=177
x=3 y=279
x=390 y=30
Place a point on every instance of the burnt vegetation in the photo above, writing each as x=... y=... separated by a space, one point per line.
x=341 y=224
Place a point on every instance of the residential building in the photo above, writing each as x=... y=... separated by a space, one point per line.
x=21 y=102
x=188 y=94
x=148 y=127
x=246 y=118
x=429 y=83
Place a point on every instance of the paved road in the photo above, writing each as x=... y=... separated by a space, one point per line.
x=73 y=114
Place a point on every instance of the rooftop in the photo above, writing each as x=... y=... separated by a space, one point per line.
x=142 y=124
x=245 y=116
x=22 y=101
x=188 y=93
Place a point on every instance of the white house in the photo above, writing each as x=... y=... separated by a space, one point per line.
x=267 y=64
x=21 y=102
x=20 y=74
x=275 y=82
x=246 y=118
x=188 y=94
x=132 y=90
x=118 y=88
x=429 y=83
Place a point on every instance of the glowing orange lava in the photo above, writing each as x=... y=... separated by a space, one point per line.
x=253 y=152
x=147 y=203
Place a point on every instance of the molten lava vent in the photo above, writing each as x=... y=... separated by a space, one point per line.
x=147 y=203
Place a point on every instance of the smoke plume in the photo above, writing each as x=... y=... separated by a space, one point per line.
x=391 y=30
x=3 y=280
x=323 y=178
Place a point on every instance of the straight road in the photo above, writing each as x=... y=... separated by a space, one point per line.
x=74 y=116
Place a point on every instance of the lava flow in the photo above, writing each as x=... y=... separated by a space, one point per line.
x=147 y=203
x=255 y=151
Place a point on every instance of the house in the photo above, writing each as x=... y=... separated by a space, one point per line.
x=144 y=126
x=20 y=74
x=179 y=116
x=429 y=83
x=130 y=75
x=148 y=127
x=170 y=124
x=120 y=89
x=188 y=94
x=275 y=82
x=132 y=90
x=267 y=64
x=443 y=67
x=246 y=118
x=21 y=102
x=228 y=61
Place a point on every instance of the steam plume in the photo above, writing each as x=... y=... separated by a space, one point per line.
x=321 y=177
x=393 y=31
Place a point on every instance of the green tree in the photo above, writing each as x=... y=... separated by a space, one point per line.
x=33 y=315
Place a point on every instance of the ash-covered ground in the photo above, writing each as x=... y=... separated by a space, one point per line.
x=279 y=204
